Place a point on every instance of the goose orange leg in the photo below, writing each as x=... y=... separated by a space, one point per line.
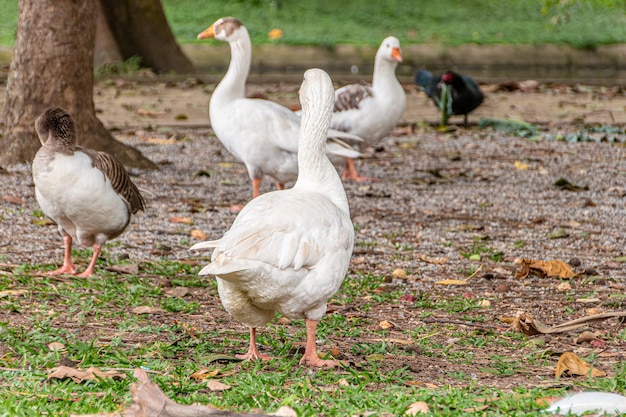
x=92 y=265
x=350 y=172
x=310 y=352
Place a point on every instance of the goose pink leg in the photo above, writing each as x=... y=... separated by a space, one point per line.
x=68 y=266
x=350 y=172
x=92 y=265
x=253 y=353
x=310 y=353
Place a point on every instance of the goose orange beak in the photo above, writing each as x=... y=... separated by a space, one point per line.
x=208 y=33
x=395 y=53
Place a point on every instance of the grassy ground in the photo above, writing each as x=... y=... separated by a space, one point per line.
x=581 y=23
x=96 y=328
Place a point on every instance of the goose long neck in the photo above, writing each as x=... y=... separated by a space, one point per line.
x=233 y=85
x=315 y=171
x=384 y=70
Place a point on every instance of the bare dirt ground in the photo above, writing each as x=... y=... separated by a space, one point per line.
x=439 y=196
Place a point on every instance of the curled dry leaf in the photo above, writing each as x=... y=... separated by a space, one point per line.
x=79 y=375
x=177 y=292
x=526 y=324
x=386 y=325
x=585 y=336
x=124 y=269
x=13 y=199
x=399 y=273
x=572 y=364
x=428 y=259
x=198 y=234
x=202 y=374
x=554 y=268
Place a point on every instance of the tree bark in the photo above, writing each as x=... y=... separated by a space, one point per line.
x=141 y=29
x=52 y=65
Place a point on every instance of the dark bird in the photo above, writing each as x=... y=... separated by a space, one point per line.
x=88 y=194
x=465 y=94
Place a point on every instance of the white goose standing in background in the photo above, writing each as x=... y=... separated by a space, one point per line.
x=289 y=251
x=260 y=133
x=371 y=111
x=88 y=194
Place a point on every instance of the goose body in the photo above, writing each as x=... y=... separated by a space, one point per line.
x=88 y=194
x=371 y=111
x=260 y=133
x=289 y=251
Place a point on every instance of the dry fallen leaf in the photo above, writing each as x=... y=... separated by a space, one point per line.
x=214 y=385
x=13 y=199
x=521 y=165
x=79 y=375
x=285 y=411
x=275 y=34
x=177 y=292
x=399 y=273
x=428 y=259
x=572 y=364
x=386 y=325
x=7 y=293
x=451 y=282
x=56 y=347
x=416 y=408
x=585 y=336
x=198 y=234
x=124 y=269
x=202 y=374
x=147 y=310
x=185 y=220
x=529 y=326
x=554 y=268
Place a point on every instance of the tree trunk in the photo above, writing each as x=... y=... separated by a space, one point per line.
x=52 y=65
x=141 y=29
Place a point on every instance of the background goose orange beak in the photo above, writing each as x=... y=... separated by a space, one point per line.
x=395 y=53
x=208 y=33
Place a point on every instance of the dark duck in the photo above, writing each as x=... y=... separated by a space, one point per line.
x=463 y=94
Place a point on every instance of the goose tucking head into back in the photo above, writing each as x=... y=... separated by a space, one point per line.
x=88 y=194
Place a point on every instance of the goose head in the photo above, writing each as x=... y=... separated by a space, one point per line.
x=56 y=128
x=390 y=49
x=224 y=29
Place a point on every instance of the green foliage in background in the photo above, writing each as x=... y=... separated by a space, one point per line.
x=580 y=23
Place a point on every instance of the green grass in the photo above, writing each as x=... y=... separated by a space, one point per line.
x=93 y=319
x=581 y=23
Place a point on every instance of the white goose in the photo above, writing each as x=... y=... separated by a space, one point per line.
x=371 y=111
x=88 y=194
x=260 y=133
x=289 y=251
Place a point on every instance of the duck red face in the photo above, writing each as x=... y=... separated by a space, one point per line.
x=447 y=77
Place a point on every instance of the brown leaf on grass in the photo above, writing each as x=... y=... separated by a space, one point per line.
x=202 y=374
x=124 y=269
x=79 y=375
x=15 y=293
x=285 y=411
x=416 y=408
x=149 y=401
x=215 y=385
x=542 y=269
x=572 y=364
x=529 y=326
x=147 y=310
x=12 y=199
x=177 y=292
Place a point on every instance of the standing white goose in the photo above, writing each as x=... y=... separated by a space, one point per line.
x=260 y=133
x=371 y=111
x=289 y=251
x=88 y=194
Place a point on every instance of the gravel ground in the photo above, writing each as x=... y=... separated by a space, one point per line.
x=438 y=195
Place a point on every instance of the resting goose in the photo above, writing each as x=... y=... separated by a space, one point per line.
x=260 y=133
x=88 y=194
x=289 y=251
x=371 y=111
